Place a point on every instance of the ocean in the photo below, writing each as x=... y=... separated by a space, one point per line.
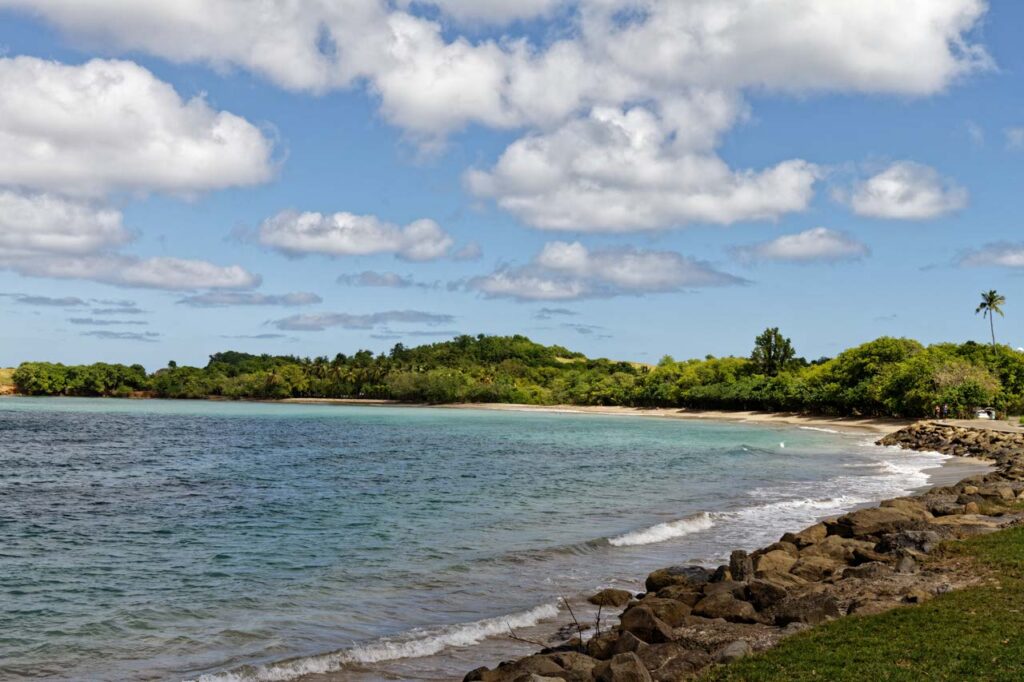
x=195 y=540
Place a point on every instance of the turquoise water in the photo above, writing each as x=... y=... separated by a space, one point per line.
x=172 y=540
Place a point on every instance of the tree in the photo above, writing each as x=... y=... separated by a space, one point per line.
x=772 y=352
x=991 y=303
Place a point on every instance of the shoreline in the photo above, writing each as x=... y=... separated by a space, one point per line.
x=871 y=425
x=865 y=562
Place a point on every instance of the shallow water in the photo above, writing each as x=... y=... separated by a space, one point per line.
x=172 y=540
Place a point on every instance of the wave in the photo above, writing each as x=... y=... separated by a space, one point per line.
x=664 y=531
x=414 y=644
x=818 y=428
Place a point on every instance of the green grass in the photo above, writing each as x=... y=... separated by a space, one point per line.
x=972 y=634
x=6 y=376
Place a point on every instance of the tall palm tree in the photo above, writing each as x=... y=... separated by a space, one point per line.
x=991 y=303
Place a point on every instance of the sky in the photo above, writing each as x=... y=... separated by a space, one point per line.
x=627 y=178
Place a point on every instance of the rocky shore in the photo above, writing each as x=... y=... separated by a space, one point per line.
x=864 y=562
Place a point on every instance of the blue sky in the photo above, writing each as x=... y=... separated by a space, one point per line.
x=184 y=178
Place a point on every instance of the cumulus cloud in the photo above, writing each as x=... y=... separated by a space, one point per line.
x=148 y=337
x=617 y=171
x=321 y=321
x=471 y=251
x=489 y=11
x=566 y=271
x=43 y=235
x=223 y=299
x=817 y=245
x=98 y=322
x=905 y=191
x=347 y=234
x=391 y=280
x=111 y=125
x=999 y=254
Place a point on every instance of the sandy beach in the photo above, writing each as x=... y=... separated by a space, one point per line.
x=880 y=426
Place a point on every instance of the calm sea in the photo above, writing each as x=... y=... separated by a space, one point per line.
x=183 y=540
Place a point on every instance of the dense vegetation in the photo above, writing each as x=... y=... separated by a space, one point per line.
x=972 y=634
x=888 y=376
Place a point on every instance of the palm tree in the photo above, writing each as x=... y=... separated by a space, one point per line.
x=991 y=303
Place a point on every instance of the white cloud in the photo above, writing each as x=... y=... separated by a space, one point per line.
x=347 y=234
x=566 y=271
x=431 y=82
x=132 y=271
x=905 y=191
x=618 y=171
x=816 y=245
x=320 y=321
x=223 y=299
x=42 y=223
x=390 y=280
x=111 y=125
x=1000 y=254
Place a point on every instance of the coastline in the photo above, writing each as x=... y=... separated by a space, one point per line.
x=870 y=425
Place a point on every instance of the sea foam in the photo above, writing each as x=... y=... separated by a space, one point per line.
x=664 y=531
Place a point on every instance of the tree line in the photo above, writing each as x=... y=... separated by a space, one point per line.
x=884 y=377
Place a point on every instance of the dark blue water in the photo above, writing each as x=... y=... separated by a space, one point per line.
x=170 y=540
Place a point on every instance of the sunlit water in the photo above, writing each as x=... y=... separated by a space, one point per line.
x=171 y=540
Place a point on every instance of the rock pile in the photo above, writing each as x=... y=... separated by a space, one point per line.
x=866 y=561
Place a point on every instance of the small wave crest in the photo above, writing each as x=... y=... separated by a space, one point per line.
x=414 y=644
x=818 y=428
x=664 y=531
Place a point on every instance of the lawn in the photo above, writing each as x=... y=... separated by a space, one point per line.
x=972 y=634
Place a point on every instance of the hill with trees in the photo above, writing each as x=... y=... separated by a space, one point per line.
x=884 y=377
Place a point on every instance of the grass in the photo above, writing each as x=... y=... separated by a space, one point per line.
x=971 y=634
x=6 y=376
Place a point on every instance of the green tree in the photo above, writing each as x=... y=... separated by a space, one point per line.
x=991 y=303
x=772 y=352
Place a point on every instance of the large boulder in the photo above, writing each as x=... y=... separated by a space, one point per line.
x=578 y=667
x=611 y=597
x=725 y=605
x=812 y=609
x=693 y=577
x=622 y=668
x=923 y=541
x=734 y=651
x=838 y=548
x=869 y=571
x=775 y=561
x=673 y=612
x=642 y=622
x=808 y=536
x=672 y=661
x=764 y=594
x=784 y=580
x=876 y=520
x=683 y=593
x=602 y=646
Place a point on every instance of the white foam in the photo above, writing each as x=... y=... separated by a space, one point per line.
x=414 y=644
x=664 y=531
x=818 y=428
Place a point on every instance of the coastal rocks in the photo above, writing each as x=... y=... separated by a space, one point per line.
x=682 y=593
x=611 y=597
x=724 y=605
x=672 y=661
x=808 y=536
x=683 y=576
x=672 y=612
x=812 y=609
x=815 y=567
x=642 y=623
x=876 y=520
x=764 y=594
x=775 y=561
x=840 y=549
x=734 y=651
x=741 y=567
x=622 y=668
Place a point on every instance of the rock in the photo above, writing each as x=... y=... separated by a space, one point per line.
x=815 y=567
x=601 y=646
x=968 y=524
x=738 y=590
x=906 y=564
x=642 y=622
x=917 y=540
x=734 y=651
x=911 y=505
x=725 y=605
x=812 y=609
x=775 y=561
x=477 y=674
x=579 y=667
x=688 y=576
x=917 y=596
x=838 y=548
x=972 y=508
x=764 y=594
x=876 y=520
x=780 y=546
x=741 y=566
x=808 y=536
x=721 y=573
x=627 y=642
x=864 y=556
x=870 y=570
x=622 y=668
x=784 y=580
x=969 y=490
x=680 y=593
x=672 y=661
x=673 y=612
x=611 y=597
